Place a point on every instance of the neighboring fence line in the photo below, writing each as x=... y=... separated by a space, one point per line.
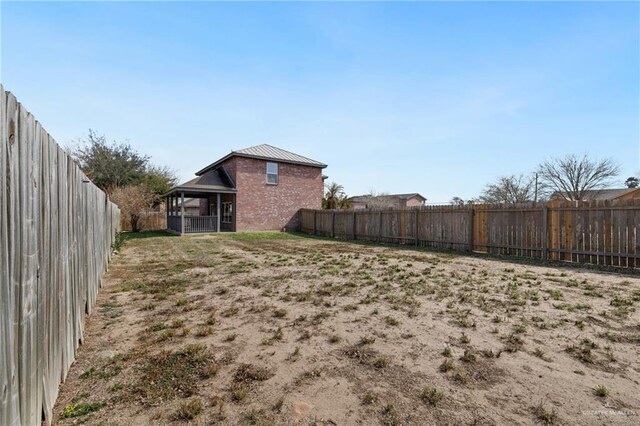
x=56 y=233
x=601 y=233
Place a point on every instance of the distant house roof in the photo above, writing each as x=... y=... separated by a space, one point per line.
x=190 y=203
x=407 y=196
x=266 y=152
x=367 y=198
x=599 y=194
x=216 y=181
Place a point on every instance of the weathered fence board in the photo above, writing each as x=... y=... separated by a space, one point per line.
x=56 y=234
x=9 y=389
x=602 y=233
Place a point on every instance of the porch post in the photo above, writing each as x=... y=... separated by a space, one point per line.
x=218 y=212
x=166 y=209
x=182 y=213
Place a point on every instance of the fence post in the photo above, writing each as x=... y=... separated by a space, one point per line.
x=380 y=226
x=333 y=224
x=354 y=225
x=545 y=233
x=181 y=213
x=471 y=229
x=166 y=211
x=315 y=230
x=219 y=211
x=417 y=229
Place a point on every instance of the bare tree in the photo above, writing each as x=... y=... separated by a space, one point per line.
x=379 y=200
x=133 y=202
x=572 y=176
x=510 y=189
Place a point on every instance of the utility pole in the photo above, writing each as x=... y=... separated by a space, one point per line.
x=535 y=197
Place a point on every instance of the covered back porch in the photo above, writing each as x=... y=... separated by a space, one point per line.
x=200 y=207
x=180 y=222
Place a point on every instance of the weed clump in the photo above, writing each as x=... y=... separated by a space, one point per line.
x=81 y=409
x=188 y=410
x=248 y=373
x=168 y=375
x=601 y=391
x=334 y=338
x=544 y=415
x=431 y=396
x=369 y=398
x=447 y=365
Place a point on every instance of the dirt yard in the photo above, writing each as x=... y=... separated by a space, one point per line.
x=262 y=329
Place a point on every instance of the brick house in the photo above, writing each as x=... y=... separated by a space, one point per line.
x=260 y=188
x=601 y=194
x=392 y=201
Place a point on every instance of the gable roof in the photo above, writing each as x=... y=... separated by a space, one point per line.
x=365 y=198
x=215 y=181
x=266 y=152
x=408 y=196
x=599 y=194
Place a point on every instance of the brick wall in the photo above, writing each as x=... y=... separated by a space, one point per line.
x=264 y=207
x=413 y=202
x=212 y=200
x=228 y=226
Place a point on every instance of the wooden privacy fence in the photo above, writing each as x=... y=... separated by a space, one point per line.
x=601 y=233
x=56 y=232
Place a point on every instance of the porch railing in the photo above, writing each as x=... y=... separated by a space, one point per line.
x=193 y=224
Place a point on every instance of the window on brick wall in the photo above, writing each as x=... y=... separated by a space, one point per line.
x=272 y=173
x=227 y=212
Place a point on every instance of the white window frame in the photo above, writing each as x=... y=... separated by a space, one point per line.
x=227 y=217
x=272 y=174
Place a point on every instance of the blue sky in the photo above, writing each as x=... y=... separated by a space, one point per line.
x=436 y=98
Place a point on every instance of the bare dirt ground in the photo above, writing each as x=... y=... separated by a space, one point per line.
x=280 y=329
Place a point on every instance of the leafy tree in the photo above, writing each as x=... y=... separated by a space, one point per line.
x=572 y=176
x=109 y=165
x=632 y=182
x=334 y=197
x=115 y=165
x=344 y=202
x=510 y=189
x=456 y=201
x=133 y=201
x=159 y=179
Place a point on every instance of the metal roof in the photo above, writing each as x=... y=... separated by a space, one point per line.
x=407 y=196
x=267 y=152
x=214 y=181
x=271 y=152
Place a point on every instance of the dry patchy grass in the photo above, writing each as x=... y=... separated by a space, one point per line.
x=276 y=329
